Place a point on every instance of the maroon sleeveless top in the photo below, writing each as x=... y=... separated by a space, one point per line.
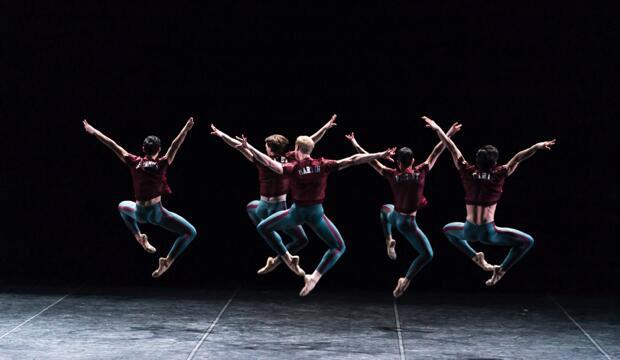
x=309 y=179
x=408 y=187
x=272 y=184
x=482 y=187
x=148 y=176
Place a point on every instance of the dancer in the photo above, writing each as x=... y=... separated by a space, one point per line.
x=407 y=183
x=483 y=184
x=149 y=183
x=273 y=187
x=308 y=183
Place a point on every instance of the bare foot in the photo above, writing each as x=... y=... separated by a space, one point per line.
x=498 y=273
x=309 y=284
x=143 y=240
x=391 y=248
x=401 y=287
x=480 y=261
x=272 y=263
x=293 y=264
x=164 y=265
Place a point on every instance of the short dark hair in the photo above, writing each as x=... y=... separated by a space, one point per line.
x=277 y=143
x=404 y=155
x=486 y=157
x=151 y=145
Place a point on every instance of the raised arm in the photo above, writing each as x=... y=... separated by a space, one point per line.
x=364 y=158
x=176 y=143
x=375 y=163
x=118 y=150
x=527 y=153
x=440 y=147
x=328 y=125
x=259 y=156
x=456 y=153
x=234 y=143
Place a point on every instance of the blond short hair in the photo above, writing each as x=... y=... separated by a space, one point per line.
x=304 y=144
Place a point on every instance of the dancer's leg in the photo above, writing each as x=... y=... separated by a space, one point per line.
x=455 y=232
x=408 y=226
x=257 y=211
x=297 y=234
x=520 y=243
x=177 y=224
x=129 y=214
x=285 y=219
x=386 y=224
x=328 y=232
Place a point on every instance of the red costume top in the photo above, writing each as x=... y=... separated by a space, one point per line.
x=148 y=176
x=309 y=179
x=408 y=187
x=482 y=187
x=273 y=184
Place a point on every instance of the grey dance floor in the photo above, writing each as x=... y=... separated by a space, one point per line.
x=257 y=324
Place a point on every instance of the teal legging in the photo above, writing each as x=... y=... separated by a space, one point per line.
x=408 y=226
x=314 y=217
x=461 y=234
x=156 y=214
x=259 y=210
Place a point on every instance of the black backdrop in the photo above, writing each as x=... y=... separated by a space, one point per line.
x=512 y=75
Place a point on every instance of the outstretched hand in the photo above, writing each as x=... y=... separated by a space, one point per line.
x=351 y=137
x=87 y=127
x=388 y=153
x=546 y=145
x=216 y=132
x=189 y=124
x=430 y=123
x=456 y=127
x=243 y=142
x=331 y=123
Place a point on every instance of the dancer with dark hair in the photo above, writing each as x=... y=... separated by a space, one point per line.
x=148 y=173
x=273 y=187
x=308 y=184
x=407 y=184
x=483 y=184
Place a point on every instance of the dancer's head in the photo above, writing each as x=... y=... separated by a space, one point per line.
x=303 y=147
x=486 y=157
x=151 y=146
x=404 y=158
x=275 y=145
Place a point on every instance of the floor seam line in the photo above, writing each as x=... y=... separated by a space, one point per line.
x=212 y=326
x=401 y=345
x=594 y=342
x=32 y=317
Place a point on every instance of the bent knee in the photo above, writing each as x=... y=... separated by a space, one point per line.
x=528 y=242
x=263 y=227
x=427 y=256
x=191 y=232
x=303 y=239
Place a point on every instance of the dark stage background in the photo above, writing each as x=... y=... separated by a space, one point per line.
x=512 y=75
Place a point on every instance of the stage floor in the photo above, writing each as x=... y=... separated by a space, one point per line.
x=254 y=324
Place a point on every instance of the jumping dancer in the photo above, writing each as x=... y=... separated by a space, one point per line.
x=308 y=183
x=483 y=184
x=148 y=173
x=273 y=187
x=407 y=183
